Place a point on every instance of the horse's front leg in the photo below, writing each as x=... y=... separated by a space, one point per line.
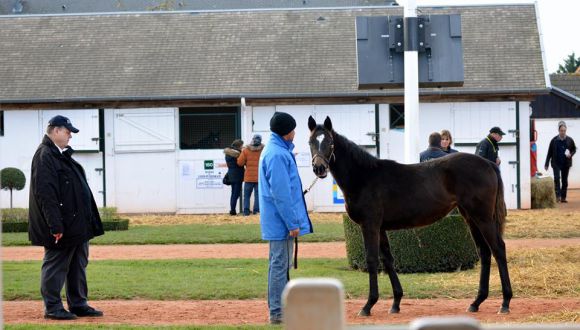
x=387 y=258
x=371 y=240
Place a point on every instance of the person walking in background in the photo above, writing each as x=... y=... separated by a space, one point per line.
x=250 y=157
x=446 y=142
x=434 y=149
x=283 y=215
x=488 y=148
x=560 y=152
x=63 y=217
x=235 y=172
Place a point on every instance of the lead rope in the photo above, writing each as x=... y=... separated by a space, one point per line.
x=296 y=238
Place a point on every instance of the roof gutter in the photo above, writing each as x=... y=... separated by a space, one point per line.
x=217 y=97
x=566 y=95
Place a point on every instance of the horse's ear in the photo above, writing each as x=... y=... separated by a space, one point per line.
x=311 y=123
x=328 y=123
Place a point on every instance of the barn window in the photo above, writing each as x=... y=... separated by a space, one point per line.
x=1 y=123
x=208 y=127
x=397 y=116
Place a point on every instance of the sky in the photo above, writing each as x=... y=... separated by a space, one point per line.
x=559 y=25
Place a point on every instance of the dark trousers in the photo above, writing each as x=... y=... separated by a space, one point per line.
x=248 y=187
x=61 y=266
x=236 y=193
x=561 y=173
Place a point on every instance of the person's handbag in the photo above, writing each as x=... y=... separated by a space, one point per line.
x=226 y=180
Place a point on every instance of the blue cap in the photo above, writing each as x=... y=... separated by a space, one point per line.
x=62 y=121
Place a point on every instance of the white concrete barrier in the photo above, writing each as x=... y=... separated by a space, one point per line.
x=314 y=304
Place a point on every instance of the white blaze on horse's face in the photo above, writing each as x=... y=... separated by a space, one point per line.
x=320 y=138
x=321 y=148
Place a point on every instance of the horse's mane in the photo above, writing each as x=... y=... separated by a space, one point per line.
x=355 y=152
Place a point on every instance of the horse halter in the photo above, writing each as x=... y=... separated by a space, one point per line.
x=326 y=160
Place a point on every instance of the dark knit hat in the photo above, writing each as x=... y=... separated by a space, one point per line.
x=282 y=123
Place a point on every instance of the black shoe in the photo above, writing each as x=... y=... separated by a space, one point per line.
x=86 y=311
x=563 y=201
x=275 y=321
x=61 y=314
x=233 y=213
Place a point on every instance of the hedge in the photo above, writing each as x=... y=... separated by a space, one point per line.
x=16 y=220
x=444 y=246
x=21 y=227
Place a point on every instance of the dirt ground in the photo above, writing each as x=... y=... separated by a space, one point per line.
x=228 y=251
x=239 y=312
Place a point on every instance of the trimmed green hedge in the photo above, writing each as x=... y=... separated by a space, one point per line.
x=116 y=224
x=444 y=246
x=16 y=220
x=21 y=227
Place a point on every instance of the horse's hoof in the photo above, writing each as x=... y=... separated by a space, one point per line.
x=504 y=310
x=394 y=310
x=364 y=313
x=473 y=309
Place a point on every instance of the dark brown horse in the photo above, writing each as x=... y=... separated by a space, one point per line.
x=383 y=195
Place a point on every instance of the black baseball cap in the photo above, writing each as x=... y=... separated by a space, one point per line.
x=497 y=130
x=62 y=121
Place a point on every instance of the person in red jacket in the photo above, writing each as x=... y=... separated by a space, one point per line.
x=250 y=158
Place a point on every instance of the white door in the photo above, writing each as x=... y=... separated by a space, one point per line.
x=471 y=123
x=145 y=162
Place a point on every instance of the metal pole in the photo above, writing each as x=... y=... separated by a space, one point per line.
x=411 y=84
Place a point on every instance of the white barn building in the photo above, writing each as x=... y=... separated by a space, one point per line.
x=157 y=96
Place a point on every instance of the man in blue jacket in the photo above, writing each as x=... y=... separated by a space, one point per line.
x=283 y=209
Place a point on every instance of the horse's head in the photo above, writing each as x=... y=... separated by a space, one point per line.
x=321 y=146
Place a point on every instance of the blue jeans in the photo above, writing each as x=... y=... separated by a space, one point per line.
x=248 y=187
x=236 y=192
x=278 y=274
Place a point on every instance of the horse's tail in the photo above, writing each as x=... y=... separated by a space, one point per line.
x=500 y=212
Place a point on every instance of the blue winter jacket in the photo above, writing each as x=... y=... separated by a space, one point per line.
x=282 y=205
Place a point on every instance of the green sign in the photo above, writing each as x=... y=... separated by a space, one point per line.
x=208 y=164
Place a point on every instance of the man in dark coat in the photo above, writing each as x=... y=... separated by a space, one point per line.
x=63 y=217
x=488 y=148
x=560 y=151
x=434 y=149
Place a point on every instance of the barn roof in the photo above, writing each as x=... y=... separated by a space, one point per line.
x=567 y=84
x=217 y=55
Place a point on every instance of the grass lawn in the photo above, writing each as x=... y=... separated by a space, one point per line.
x=192 y=234
x=547 y=273
x=208 y=229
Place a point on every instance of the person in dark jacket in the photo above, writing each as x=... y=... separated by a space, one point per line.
x=447 y=142
x=63 y=217
x=434 y=149
x=561 y=150
x=235 y=172
x=488 y=148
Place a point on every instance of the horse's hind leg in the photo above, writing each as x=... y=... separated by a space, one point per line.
x=485 y=259
x=371 y=240
x=491 y=233
x=388 y=260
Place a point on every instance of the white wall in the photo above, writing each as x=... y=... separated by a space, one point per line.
x=146 y=171
x=23 y=132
